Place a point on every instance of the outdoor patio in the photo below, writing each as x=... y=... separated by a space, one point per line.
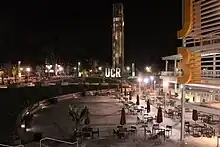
x=105 y=115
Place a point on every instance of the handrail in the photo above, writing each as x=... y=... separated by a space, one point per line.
x=57 y=140
x=4 y=145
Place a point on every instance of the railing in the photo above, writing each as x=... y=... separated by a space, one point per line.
x=57 y=140
x=170 y=73
x=208 y=39
x=4 y=145
x=205 y=74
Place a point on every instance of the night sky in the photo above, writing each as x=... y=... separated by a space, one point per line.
x=32 y=30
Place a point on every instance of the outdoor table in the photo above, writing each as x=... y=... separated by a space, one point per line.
x=197 y=129
x=119 y=126
x=133 y=129
x=122 y=132
x=95 y=132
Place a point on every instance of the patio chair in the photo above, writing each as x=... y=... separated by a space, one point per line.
x=87 y=135
x=133 y=130
x=95 y=132
x=168 y=130
x=150 y=119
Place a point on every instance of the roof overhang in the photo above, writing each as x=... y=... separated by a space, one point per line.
x=172 y=57
x=179 y=57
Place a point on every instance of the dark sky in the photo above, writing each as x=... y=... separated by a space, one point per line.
x=32 y=30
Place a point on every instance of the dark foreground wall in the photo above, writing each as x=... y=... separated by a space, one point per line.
x=14 y=100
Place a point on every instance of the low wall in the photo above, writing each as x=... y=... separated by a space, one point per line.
x=14 y=100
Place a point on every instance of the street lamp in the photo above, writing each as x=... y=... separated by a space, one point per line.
x=28 y=69
x=182 y=135
x=48 y=68
x=99 y=68
x=152 y=78
x=139 y=82
x=154 y=85
x=165 y=87
x=128 y=68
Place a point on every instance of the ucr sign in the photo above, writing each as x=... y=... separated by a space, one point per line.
x=113 y=72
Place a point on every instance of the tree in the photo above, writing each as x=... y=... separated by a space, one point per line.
x=39 y=70
x=78 y=116
x=2 y=76
x=14 y=72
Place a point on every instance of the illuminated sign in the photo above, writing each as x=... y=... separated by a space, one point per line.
x=113 y=72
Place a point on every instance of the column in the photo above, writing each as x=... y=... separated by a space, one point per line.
x=182 y=133
x=175 y=88
x=175 y=62
x=166 y=67
x=214 y=65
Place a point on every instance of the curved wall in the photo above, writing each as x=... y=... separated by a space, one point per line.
x=14 y=100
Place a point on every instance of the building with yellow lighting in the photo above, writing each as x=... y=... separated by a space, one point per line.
x=200 y=35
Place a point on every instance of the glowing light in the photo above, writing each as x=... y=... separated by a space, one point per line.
x=146 y=80
x=165 y=83
x=139 y=79
x=48 y=67
x=128 y=68
x=152 y=78
x=60 y=68
x=148 y=69
x=100 y=68
x=28 y=69
x=181 y=86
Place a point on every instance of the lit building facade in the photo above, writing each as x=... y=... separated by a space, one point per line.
x=201 y=28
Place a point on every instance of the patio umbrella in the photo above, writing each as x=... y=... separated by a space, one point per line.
x=138 y=100
x=159 y=116
x=148 y=106
x=125 y=92
x=130 y=96
x=123 y=117
x=195 y=116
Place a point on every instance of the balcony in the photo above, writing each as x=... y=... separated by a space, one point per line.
x=208 y=76
x=171 y=73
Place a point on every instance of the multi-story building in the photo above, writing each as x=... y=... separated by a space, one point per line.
x=202 y=35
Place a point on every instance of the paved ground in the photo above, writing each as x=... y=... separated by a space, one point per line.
x=105 y=115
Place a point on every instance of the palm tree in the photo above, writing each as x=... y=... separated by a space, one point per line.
x=78 y=116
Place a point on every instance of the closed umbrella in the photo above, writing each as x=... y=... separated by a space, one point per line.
x=138 y=100
x=130 y=96
x=159 y=115
x=148 y=106
x=195 y=116
x=123 y=117
x=125 y=92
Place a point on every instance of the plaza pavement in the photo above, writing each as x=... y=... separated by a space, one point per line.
x=105 y=114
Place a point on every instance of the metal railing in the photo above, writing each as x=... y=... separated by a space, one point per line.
x=170 y=73
x=205 y=74
x=57 y=140
x=4 y=145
